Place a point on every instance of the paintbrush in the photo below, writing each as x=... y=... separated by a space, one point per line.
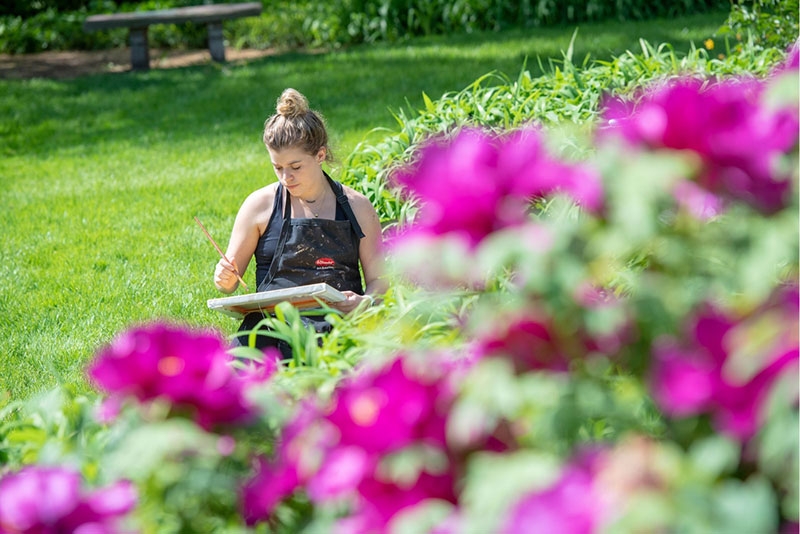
x=224 y=257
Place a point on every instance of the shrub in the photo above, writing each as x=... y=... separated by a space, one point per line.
x=566 y=93
x=769 y=23
x=285 y=24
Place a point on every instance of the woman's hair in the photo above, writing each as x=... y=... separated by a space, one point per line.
x=296 y=125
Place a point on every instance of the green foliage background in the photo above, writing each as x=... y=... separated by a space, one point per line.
x=285 y=24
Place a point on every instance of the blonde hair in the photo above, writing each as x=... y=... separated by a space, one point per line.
x=294 y=124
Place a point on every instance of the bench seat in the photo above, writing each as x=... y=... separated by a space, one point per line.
x=138 y=21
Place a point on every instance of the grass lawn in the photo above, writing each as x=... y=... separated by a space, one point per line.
x=101 y=176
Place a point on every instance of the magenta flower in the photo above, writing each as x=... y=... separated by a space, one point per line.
x=108 y=410
x=738 y=140
x=792 y=61
x=727 y=365
x=683 y=381
x=534 y=342
x=571 y=505
x=301 y=451
x=336 y=452
x=366 y=413
x=271 y=484
x=378 y=413
x=382 y=499
x=528 y=341
x=189 y=369
x=529 y=172
x=50 y=499
x=698 y=202
x=479 y=183
x=341 y=473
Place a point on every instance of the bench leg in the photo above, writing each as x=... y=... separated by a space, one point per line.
x=140 y=52
x=215 y=43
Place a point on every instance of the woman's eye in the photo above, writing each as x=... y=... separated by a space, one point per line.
x=295 y=168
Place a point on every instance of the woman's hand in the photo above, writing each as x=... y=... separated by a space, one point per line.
x=351 y=302
x=225 y=278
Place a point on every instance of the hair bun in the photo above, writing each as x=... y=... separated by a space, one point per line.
x=296 y=125
x=292 y=104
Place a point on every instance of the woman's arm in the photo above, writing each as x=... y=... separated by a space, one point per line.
x=370 y=250
x=250 y=223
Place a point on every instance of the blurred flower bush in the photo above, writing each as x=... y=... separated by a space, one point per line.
x=50 y=499
x=607 y=344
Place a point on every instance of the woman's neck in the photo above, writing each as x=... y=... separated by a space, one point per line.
x=317 y=194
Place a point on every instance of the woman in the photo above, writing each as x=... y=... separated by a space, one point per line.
x=305 y=228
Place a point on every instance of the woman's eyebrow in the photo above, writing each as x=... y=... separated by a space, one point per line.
x=295 y=162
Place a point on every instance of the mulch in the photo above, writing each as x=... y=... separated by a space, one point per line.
x=71 y=64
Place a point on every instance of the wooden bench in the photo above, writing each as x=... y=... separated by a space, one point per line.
x=138 y=21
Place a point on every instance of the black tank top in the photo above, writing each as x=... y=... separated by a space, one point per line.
x=268 y=242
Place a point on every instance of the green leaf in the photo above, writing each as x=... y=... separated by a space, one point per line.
x=715 y=456
x=429 y=105
x=496 y=481
x=154 y=449
x=422 y=517
x=748 y=506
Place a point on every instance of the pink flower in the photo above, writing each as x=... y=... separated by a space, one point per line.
x=226 y=445
x=108 y=410
x=727 y=365
x=188 y=368
x=698 y=202
x=300 y=453
x=792 y=61
x=532 y=341
x=382 y=499
x=271 y=484
x=530 y=172
x=684 y=382
x=336 y=451
x=478 y=183
x=528 y=341
x=366 y=412
x=50 y=499
x=738 y=140
x=399 y=408
x=338 y=478
x=571 y=505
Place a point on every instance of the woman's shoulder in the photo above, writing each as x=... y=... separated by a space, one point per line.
x=263 y=196
x=357 y=200
x=258 y=204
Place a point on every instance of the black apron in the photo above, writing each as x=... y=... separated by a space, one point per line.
x=311 y=251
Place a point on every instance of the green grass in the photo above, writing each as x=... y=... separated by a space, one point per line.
x=101 y=176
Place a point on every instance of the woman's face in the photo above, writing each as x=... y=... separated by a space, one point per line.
x=298 y=171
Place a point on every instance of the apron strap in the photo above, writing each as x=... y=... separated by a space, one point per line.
x=287 y=216
x=341 y=198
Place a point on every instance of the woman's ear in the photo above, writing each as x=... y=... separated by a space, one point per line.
x=321 y=154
